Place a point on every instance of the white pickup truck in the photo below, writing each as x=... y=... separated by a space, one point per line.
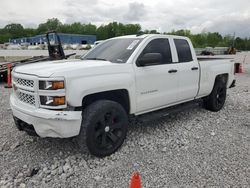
x=92 y=97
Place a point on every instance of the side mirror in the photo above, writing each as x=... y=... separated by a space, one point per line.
x=149 y=59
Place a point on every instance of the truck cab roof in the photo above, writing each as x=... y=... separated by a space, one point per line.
x=143 y=36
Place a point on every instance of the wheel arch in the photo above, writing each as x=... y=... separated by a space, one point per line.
x=222 y=77
x=120 y=96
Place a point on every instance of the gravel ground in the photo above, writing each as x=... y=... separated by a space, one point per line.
x=195 y=148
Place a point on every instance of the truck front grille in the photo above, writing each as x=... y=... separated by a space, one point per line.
x=26 y=98
x=24 y=82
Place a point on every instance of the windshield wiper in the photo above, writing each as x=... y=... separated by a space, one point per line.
x=96 y=58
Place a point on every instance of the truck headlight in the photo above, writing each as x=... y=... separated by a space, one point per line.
x=52 y=100
x=51 y=85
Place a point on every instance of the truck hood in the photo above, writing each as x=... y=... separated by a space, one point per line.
x=47 y=69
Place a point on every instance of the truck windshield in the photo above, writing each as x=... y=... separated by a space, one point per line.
x=114 y=50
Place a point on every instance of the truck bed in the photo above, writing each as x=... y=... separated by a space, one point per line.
x=210 y=66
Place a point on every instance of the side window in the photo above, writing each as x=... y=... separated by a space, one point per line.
x=159 y=46
x=183 y=50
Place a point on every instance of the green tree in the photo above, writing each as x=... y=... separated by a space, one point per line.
x=113 y=29
x=15 y=30
x=132 y=29
x=51 y=24
x=213 y=39
x=89 y=29
x=102 y=33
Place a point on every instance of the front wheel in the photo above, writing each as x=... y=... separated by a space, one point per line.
x=216 y=100
x=104 y=128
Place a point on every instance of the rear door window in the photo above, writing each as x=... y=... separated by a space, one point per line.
x=183 y=50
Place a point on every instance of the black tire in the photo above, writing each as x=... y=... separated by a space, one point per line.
x=3 y=76
x=104 y=128
x=216 y=100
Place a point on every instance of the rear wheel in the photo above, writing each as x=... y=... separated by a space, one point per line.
x=104 y=128
x=216 y=100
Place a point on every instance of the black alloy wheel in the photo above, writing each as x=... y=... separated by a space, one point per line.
x=216 y=100
x=104 y=127
x=220 y=97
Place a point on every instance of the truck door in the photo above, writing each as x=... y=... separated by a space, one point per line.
x=157 y=83
x=188 y=70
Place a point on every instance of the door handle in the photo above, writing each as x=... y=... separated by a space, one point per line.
x=172 y=71
x=194 y=68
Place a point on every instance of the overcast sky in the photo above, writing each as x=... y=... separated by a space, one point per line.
x=224 y=16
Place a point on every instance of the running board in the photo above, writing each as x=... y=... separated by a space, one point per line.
x=168 y=111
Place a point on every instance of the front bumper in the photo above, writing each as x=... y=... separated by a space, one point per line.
x=48 y=123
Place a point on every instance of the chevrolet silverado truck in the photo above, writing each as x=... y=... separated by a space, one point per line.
x=92 y=98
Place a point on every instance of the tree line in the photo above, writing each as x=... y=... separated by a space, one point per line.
x=113 y=29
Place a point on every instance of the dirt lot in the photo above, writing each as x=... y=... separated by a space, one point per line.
x=195 y=148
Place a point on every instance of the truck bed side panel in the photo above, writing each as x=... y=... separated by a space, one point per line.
x=209 y=71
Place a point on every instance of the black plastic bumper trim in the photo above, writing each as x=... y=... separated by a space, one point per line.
x=23 y=126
